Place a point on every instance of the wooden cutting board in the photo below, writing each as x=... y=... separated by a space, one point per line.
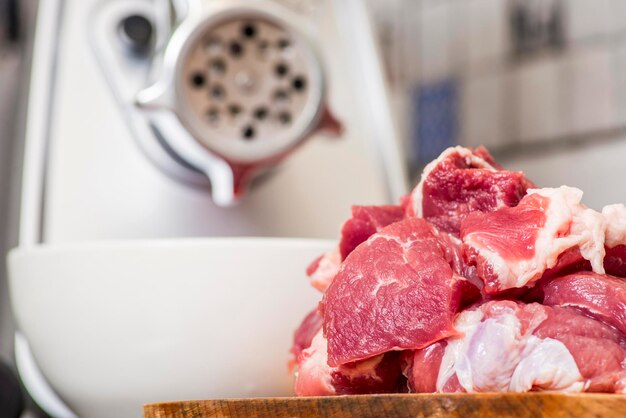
x=484 y=405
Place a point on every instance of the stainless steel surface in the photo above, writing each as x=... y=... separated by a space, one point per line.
x=245 y=83
x=239 y=87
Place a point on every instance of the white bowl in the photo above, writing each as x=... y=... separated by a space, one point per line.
x=114 y=325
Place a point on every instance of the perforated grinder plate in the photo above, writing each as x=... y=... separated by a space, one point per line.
x=249 y=87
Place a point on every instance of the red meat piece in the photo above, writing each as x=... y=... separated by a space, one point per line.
x=396 y=291
x=365 y=222
x=514 y=247
x=511 y=347
x=601 y=296
x=379 y=374
x=302 y=337
x=462 y=181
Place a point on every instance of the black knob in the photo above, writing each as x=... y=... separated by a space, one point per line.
x=9 y=20
x=136 y=32
x=11 y=400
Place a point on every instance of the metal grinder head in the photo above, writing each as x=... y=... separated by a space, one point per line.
x=247 y=85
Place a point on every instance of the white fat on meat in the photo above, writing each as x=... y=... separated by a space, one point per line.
x=568 y=224
x=471 y=160
x=588 y=229
x=314 y=375
x=326 y=270
x=364 y=369
x=494 y=355
x=615 y=216
x=465 y=324
x=546 y=364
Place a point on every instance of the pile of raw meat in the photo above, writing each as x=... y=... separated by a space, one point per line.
x=478 y=281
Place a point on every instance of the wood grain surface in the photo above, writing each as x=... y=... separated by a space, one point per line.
x=484 y=405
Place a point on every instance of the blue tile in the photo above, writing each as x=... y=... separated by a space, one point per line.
x=435 y=119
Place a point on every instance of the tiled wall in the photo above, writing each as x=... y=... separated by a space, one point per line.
x=566 y=88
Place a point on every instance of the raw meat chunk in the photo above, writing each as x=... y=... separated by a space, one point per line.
x=314 y=375
x=614 y=246
x=512 y=347
x=475 y=282
x=396 y=291
x=461 y=181
x=421 y=367
x=453 y=253
x=615 y=241
x=365 y=222
x=599 y=350
x=570 y=261
x=615 y=261
x=379 y=374
x=323 y=269
x=513 y=247
x=310 y=326
x=601 y=296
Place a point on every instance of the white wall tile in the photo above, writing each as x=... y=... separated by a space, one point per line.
x=458 y=32
x=618 y=15
x=587 y=19
x=619 y=68
x=484 y=111
x=538 y=88
x=409 y=46
x=590 y=90
x=488 y=31
x=434 y=41
x=596 y=168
